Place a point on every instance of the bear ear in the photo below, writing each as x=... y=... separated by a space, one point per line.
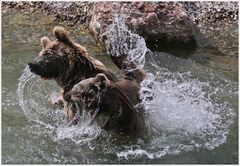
x=101 y=78
x=45 y=41
x=61 y=34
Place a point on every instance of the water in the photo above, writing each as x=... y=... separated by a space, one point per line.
x=191 y=107
x=121 y=41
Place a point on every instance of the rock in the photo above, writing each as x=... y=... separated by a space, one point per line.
x=216 y=24
x=68 y=12
x=27 y=7
x=152 y=18
x=71 y=12
x=160 y=23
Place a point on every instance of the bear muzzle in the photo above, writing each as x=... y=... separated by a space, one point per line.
x=35 y=68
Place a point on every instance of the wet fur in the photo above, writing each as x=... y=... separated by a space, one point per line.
x=67 y=63
x=117 y=103
x=76 y=63
x=70 y=65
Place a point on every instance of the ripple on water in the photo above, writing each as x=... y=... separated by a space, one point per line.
x=33 y=94
x=181 y=116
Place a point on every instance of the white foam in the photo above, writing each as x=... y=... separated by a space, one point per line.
x=181 y=112
x=122 y=42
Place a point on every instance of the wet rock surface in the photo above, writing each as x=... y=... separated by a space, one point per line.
x=26 y=7
x=69 y=12
x=217 y=22
x=162 y=24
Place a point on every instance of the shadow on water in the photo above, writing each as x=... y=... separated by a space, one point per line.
x=191 y=103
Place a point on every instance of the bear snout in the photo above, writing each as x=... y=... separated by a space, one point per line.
x=37 y=68
x=30 y=65
x=33 y=67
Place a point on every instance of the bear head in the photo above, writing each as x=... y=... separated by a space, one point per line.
x=56 y=56
x=88 y=93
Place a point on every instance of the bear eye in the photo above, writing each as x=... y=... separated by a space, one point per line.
x=49 y=52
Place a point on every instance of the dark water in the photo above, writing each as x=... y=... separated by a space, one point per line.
x=192 y=117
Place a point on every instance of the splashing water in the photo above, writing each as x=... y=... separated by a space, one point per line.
x=182 y=112
x=32 y=92
x=122 y=42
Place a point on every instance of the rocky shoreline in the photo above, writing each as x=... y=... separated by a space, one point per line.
x=161 y=24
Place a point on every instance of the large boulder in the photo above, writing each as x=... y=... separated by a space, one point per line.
x=161 y=24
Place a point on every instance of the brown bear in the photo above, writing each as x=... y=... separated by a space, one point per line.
x=66 y=62
x=112 y=101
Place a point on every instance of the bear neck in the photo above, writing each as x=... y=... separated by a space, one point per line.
x=115 y=90
x=80 y=68
x=126 y=122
